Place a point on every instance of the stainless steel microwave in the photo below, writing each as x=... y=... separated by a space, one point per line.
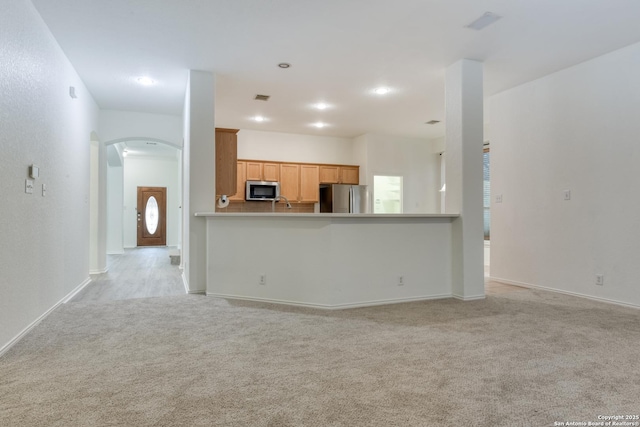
x=262 y=190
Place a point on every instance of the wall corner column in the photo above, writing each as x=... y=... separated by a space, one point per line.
x=464 y=139
x=199 y=175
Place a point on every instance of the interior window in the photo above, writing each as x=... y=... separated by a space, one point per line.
x=387 y=194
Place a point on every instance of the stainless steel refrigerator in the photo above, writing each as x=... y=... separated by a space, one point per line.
x=339 y=198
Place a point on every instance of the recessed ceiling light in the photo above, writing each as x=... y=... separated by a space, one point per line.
x=484 y=21
x=321 y=106
x=259 y=119
x=284 y=65
x=146 y=81
x=319 y=125
x=381 y=90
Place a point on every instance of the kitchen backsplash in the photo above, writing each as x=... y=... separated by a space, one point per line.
x=266 y=207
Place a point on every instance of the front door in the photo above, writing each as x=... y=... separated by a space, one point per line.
x=152 y=216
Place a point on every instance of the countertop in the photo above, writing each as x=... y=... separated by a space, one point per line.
x=320 y=215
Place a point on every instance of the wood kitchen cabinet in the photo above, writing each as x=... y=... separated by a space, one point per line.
x=271 y=172
x=240 y=181
x=226 y=161
x=349 y=175
x=300 y=182
x=329 y=174
x=335 y=174
x=263 y=171
x=309 y=183
x=290 y=181
x=254 y=171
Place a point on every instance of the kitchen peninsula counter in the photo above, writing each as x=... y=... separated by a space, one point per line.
x=322 y=215
x=329 y=260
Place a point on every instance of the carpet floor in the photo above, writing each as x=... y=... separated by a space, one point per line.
x=522 y=358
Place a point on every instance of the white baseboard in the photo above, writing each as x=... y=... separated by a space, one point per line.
x=74 y=292
x=35 y=323
x=94 y=272
x=331 y=306
x=471 y=298
x=560 y=291
x=185 y=283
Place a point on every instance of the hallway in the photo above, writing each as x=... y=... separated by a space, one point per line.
x=138 y=273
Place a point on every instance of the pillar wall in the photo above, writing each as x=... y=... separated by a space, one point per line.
x=463 y=175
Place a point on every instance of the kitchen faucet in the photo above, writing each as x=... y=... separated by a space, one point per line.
x=273 y=203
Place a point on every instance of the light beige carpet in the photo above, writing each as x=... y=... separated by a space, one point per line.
x=524 y=358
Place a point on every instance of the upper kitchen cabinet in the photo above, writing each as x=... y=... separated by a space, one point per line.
x=309 y=184
x=226 y=161
x=263 y=171
x=299 y=182
x=290 y=181
x=271 y=172
x=335 y=174
x=349 y=175
x=329 y=174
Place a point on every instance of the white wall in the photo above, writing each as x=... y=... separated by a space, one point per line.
x=115 y=205
x=44 y=253
x=413 y=159
x=150 y=172
x=360 y=156
x=329 y=262
x=117 y=125
x=97 y=206
x=577 y=130
x=199 y=175
x=288 y=147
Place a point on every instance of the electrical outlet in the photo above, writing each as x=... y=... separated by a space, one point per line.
x=400 y=280
x=28 y=186
x=263 y=279
x=599 y=279
x=567 y=194
x=498 y=198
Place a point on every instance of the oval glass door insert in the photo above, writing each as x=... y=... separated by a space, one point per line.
x=151 y=215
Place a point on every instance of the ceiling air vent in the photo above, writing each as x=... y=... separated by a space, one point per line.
x=433 y=122
x=484 y=21
x=262 y=97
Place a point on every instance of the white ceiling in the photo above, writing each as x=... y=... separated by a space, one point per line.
x=339 y=50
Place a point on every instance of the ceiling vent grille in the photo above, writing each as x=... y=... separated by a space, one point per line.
x=433 y=122
x=262 y=97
